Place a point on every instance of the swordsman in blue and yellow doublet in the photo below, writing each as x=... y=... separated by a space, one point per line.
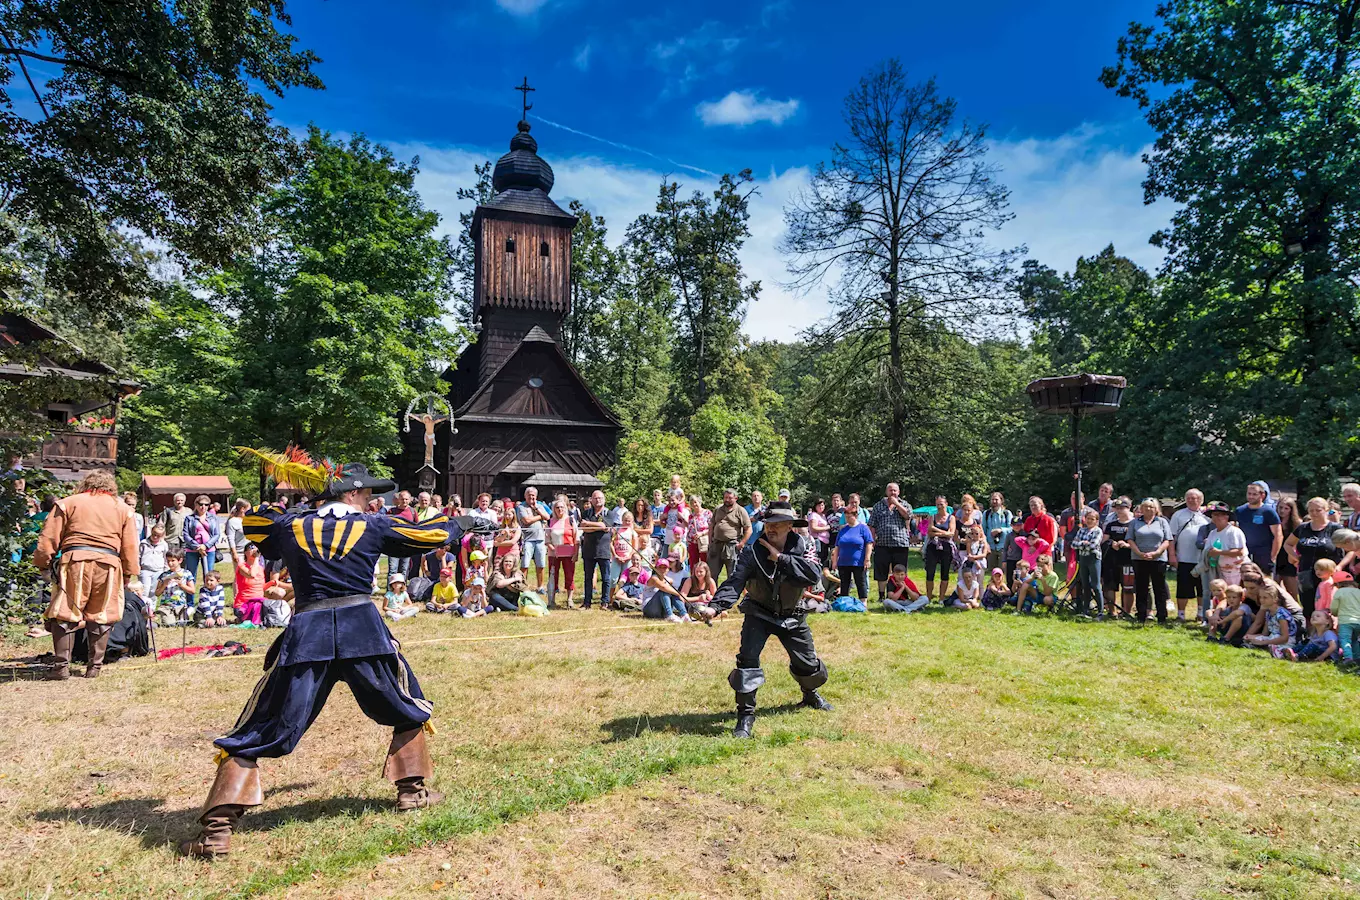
x=336 y=634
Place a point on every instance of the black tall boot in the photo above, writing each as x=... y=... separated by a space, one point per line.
x=809 y=684
x=746 y=715
x=814 y=700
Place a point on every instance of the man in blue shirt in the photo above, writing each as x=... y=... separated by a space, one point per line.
x=336 y=634
x=1261 y=524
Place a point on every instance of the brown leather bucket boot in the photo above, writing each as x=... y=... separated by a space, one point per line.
x=63 y=643
x=408 y=765
x=97 y=640
x=236 y=788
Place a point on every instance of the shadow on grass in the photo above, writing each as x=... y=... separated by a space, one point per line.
x=155 y=827
x=705 y=724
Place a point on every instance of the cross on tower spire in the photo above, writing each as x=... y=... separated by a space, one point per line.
x=524 y=90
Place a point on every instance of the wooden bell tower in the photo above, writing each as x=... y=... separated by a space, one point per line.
x=525 y=416
x=522 y=253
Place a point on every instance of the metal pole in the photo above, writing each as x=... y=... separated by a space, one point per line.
x=1076 y=460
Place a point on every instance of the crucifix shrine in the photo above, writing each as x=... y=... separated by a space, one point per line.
x=431 y=417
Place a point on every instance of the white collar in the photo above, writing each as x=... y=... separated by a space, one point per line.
x=336 y=508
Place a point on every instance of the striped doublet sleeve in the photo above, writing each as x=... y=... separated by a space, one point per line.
x=260 y=526
x=409 y=539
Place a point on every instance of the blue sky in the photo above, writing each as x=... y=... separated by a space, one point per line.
x=716 y=87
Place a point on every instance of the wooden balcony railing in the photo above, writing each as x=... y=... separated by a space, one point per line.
x=80 y=448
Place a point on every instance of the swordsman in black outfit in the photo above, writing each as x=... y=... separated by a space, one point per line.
x=774 y=571
x=336 y=634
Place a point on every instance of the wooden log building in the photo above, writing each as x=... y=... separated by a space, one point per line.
x=523 y=414
x=83 y=428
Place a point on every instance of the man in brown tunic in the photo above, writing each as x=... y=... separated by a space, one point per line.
x=93 y=540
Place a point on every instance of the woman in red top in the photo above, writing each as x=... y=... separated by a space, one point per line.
x=249 y=600
x=1039 y=520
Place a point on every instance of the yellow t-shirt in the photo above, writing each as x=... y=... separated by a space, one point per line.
x=446 y=594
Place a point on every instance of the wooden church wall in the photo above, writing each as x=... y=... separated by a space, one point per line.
x=478 y=453
x=526 y=278
x=560 y=395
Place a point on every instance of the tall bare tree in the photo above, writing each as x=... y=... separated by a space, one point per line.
x=899 y=220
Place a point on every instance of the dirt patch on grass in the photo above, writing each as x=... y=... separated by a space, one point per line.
x=662 y=840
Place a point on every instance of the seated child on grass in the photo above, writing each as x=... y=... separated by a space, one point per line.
x=903 y=594
x=967 y=592
x=212 y=602
x=175 y=590
x=1278 y=632
x=444 y=595
x=997 y=592
x=1232 y=621
x=1322 y=644
x=474 y=599
x=1041 y=587
x=1218 y=604
x=398 y=603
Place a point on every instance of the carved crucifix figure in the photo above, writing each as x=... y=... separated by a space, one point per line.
x=430 y=421
x=436 y=410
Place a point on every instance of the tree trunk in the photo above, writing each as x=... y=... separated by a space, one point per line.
x=895 y=379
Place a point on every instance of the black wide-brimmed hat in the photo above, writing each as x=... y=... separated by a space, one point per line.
x=355 y=477
x=783 y=515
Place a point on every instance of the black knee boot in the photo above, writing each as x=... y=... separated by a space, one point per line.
x=809 y=684
x=746 y=715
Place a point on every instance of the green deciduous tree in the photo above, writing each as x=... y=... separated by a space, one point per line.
x=740 y=449
x=648 y=457
x=594 y=280
x=695 y=244
x=190 y=405
x=628 y=363
x=1256 y=107
x=145 y=117
x=337 y=320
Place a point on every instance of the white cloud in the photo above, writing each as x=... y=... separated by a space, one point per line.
x=703 y=51
x=746 y=108
x=521 y=7
x=1070 y=196
x=582 y=57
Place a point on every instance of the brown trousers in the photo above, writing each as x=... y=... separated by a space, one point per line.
x=88 y=590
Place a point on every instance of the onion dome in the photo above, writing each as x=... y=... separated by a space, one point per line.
x=522 y=167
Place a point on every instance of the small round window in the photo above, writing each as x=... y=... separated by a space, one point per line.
x=535 y=382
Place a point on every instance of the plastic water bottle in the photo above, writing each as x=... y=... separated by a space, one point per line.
x=1213 y=560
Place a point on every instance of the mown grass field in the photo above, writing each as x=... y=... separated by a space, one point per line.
x=969 y=755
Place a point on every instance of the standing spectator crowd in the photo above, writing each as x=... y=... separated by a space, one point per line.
x=1270 y=572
